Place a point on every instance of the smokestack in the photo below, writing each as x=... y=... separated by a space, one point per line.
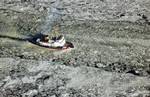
x=53 y=16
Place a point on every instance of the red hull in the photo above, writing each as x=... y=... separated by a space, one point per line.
x=65 y=47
